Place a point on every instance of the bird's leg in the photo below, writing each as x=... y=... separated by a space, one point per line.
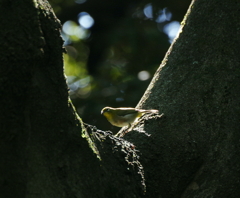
x=128 y=128
x=125 y=130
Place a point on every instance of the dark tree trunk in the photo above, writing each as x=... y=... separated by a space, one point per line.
x=193 y=150
x=39 y=139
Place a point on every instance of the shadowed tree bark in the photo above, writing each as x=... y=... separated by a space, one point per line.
x=39 y=137
x=193 y=150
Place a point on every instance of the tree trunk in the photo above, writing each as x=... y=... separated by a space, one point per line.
x=193 y=150
x=40 y=142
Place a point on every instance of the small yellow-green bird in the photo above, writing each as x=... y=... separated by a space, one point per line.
x=124 y=116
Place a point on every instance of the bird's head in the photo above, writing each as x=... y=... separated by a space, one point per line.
x=106 y=109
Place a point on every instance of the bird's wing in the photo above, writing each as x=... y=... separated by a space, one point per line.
x=126 y=112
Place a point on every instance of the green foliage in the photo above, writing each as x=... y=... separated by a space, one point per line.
x=104 y=62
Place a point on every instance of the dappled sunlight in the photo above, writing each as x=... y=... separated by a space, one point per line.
x=74 y=32
x=85 y=20
x=112 y=54
x=148 y=11
x=143 y=75
x=163 y=20
x=172 y=29
x=164 y=15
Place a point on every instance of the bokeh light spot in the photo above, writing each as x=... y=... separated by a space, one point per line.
x=171 y=29
x=68 y=27
x=164 y=15
x=72 y=29
x=148 y=11
x=85 y=20
x=143 y=75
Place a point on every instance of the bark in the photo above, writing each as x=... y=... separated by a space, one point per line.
x=44 y=146
x=40 y=142
x=193 y=150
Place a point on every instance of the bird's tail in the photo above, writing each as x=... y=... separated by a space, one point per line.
x=150 y=111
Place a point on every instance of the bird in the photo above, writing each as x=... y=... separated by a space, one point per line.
x=124 y=116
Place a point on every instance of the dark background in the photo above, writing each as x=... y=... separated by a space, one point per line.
x=111 y=61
